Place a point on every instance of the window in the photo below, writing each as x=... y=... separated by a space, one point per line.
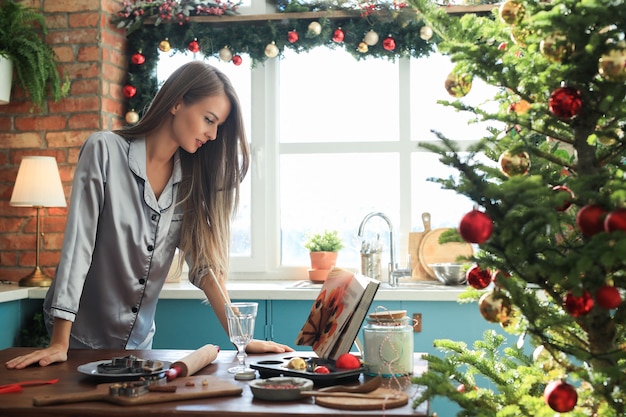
x=332 y=140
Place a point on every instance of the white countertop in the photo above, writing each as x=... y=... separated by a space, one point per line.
x=270 y=290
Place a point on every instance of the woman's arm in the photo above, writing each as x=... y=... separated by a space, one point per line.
x=216 y=293
x=55 y=352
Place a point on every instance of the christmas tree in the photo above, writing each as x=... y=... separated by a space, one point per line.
x=550 y=215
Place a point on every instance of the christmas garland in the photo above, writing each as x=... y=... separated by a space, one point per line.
x=388 y=30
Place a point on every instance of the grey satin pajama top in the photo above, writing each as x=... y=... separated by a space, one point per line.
x=118 y=246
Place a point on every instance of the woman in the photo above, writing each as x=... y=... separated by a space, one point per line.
x=172 y=180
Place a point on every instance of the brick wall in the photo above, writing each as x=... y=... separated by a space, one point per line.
x=92 y=52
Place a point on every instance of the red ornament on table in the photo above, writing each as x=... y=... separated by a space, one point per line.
x=338 y=35
x=578 y=305
x=615 y=220
x=129 y=91
x=237 y=60
x=565 y=102
x=389 y=44
x=292 y=36
x=590 y=219
x=137 y=58
x=608 y=297
x=478 y=278
x=476 y=227
x=560 y=396
x=194 y=46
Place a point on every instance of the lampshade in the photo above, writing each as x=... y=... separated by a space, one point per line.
x=38 y=183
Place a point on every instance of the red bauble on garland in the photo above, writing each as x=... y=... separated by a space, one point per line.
x=478 y=278
x=578 y=305
x=565 y=199
x=565 y=102
x=129 y=91
x=560 y=396
x=476 y=227
x=389 y=43
x=615 y=220
x=608 y=297
x=292 y=36
x=137 y=58
x=590 y=219
x=194 y=46
x=338 y=35
x=237 y=60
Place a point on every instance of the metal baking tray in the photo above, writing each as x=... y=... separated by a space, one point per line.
x=273 y=368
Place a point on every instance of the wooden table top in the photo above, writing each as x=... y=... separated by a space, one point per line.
x=71 y=381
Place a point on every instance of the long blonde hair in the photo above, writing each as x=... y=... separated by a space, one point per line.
x=209 y=190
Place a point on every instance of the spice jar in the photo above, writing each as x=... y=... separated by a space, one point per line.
x=388 y=344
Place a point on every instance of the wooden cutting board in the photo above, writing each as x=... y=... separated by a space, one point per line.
x=433 y=252
x=204 y=386
x=415 y=239
x=396 y=399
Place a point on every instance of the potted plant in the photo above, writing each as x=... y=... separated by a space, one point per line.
x=24 y=51
x=323 y=248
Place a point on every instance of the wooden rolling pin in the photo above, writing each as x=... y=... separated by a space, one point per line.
x=193 y=362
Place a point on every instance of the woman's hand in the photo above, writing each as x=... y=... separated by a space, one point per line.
x=264 y=346
x=44 y=357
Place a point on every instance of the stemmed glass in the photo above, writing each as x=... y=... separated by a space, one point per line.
x=241 y=317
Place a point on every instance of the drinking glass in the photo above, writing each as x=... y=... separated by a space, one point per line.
x=241 y=317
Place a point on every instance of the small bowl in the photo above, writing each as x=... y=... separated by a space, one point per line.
x=450 y=273
x=280 y=388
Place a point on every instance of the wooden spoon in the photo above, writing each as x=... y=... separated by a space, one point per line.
x=368 y=386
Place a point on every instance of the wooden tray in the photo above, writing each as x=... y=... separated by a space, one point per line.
x=205 y=386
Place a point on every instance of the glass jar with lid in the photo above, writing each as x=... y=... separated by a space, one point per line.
x=388 y=344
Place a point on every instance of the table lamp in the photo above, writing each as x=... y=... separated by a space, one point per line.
x=38 y=185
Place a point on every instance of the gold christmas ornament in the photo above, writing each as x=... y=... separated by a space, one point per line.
x=495 y=307
x=132 y=117
x=225 y=54
x=164 y=45
x=362 y=48
x=371 y=38
x=271 y=50
x=556 y=47
x=426 y=32
x=315 y=28
x=458 y=85
x=612 y=65
x=511 y=165
x=512 y=12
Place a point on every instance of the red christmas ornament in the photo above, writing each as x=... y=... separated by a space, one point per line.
x=560 y=396
x=137 y=58
x=615 y=220
x=476 y=227
x=194 y=46
x=498 y=276
x=578 y=305
x=478 y=278
x=389 y=44
x=565 y=199
x=608 y=297
x=338 y=35
x=590 y=219
x=129 y=91
x=565 y=102
x=502 y=46
x=237 y=60
x=292 y=36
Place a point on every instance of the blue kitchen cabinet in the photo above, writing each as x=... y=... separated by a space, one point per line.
x=190 y=324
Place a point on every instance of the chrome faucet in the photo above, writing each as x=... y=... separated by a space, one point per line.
x=394 y=272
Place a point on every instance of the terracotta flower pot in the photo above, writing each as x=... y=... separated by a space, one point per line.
x=323 y=260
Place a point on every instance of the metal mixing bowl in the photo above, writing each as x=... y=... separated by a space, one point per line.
x=450 y=273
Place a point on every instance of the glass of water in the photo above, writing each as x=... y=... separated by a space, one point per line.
x=241 y=318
